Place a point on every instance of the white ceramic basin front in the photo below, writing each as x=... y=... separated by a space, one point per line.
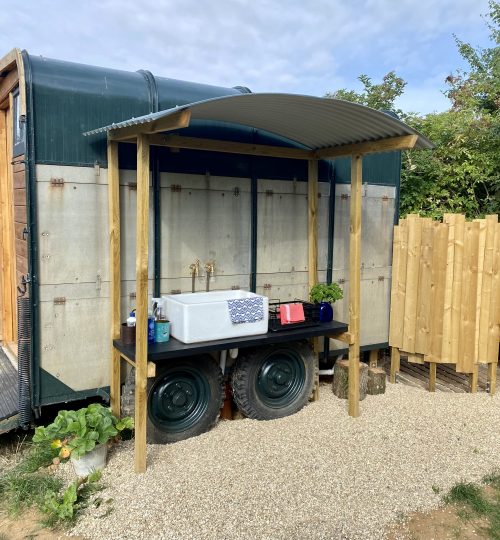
x=196 y=317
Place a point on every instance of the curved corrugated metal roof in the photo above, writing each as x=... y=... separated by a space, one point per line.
x=310 y=121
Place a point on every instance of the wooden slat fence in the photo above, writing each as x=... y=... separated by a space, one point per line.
x=445 y=296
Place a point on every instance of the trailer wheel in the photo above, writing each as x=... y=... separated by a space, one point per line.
x=184 y=399
x=274 y=381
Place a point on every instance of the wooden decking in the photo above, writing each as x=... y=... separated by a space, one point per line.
x=9 y=403
x=448 y=380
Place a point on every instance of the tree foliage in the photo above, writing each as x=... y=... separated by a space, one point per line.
x=463 y=173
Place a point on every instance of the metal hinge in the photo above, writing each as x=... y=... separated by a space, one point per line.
x=132 y=296
x=344 y=196
x=341 y=281
x=269 y=192
x=18 y=161
x=236 y=191
x=176 y=188
x=267 y=286
x=57 y=182
x=385 y=198
x=175 y=291
x=381 y=278
x=132 y=186
x=59 y=300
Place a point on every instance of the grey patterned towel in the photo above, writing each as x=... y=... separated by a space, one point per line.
x=246 y=310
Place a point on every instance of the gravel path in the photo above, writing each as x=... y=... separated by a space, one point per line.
x=316 y=475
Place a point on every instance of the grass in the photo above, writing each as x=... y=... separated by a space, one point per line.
x=28 y=483
x=475 y=502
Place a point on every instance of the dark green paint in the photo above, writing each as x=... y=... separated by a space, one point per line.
x=281 y=378
x=178 y=400
x=52 y=390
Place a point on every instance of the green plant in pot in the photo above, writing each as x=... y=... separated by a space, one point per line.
x=325 y=295
x=83 y=435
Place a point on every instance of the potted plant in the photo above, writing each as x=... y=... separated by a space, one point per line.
x=325 y=295
x=83 y=435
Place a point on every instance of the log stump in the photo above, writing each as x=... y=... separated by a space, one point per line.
x=376 y=381
x=341 y=379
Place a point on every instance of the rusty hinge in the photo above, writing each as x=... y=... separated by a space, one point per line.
x=269 y=192
x=344 y=196
x=341 y=280
x=381 y=278
x=176 y=188
x=57 y=182
x=132 y=186
x=132 y=296
x=175 y=291
x=59 y=300
x=18 y=161
x=267 y=286
x=235 y=287
x=385 y=198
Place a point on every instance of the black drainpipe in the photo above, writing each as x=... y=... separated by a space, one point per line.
x=155 y=173
x=331 y=231
x=31 y=208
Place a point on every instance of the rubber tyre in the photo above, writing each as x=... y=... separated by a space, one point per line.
x=274 y=381
x=184 y=399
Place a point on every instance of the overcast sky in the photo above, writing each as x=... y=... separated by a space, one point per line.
x=306 y=47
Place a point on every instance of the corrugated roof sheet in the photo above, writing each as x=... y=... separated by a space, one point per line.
x=309 y=121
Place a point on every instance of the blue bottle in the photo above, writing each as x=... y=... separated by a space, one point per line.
x=151 y=328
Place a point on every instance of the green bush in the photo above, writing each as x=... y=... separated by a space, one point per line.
x=77 y=432
x=321 y=292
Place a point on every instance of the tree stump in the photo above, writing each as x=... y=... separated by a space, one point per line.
x=376 y=381
x=341 y=379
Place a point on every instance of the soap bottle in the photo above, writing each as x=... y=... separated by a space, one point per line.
x=131 y=320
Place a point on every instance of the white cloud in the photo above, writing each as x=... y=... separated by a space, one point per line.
x=281 y=45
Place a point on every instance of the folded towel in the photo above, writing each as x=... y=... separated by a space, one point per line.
x=291 y=313
x=246 y=310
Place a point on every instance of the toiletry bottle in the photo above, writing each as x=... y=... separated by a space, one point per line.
x=151 y=327
x=131 y=319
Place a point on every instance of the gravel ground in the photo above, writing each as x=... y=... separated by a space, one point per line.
x=316 y=475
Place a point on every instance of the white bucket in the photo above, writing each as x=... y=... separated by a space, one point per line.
x=91 y=461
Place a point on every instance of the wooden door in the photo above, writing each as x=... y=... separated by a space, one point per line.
x=8 y=304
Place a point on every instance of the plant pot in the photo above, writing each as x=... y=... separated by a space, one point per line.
x=91 y=461
x=325 y=312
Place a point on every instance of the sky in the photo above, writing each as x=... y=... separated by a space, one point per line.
x=303 y=47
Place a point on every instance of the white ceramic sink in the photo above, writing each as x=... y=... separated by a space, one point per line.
x=196 y=317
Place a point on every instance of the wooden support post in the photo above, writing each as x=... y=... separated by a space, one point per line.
x=141 y=345
x=473 y=380
x=373 y=361
x=432 y=376
x=395 y=363
x=355 y=281
x=115 y=278
x=492 y=377
x=312 y=239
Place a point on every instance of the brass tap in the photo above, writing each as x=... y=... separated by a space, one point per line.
x=195 y=268
x=210 y=268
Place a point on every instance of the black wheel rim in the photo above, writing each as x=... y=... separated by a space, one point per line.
x=281 y=378
x=178 y=399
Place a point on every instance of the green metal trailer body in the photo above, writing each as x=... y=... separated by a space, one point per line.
x=248 y=213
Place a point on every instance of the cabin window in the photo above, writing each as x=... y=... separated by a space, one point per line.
x=18 y=125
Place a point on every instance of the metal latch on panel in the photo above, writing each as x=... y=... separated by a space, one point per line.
x=381 y=278
x=59 y=300
x=132 y=186
x=344 y=196
x=176 y=188
x=57 y=182
x=267 y=286
x=341 y=281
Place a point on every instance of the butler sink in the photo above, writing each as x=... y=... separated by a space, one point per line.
x=204 y=316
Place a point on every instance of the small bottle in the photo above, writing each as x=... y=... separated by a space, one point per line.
x=151 y=327
x=131 y=319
